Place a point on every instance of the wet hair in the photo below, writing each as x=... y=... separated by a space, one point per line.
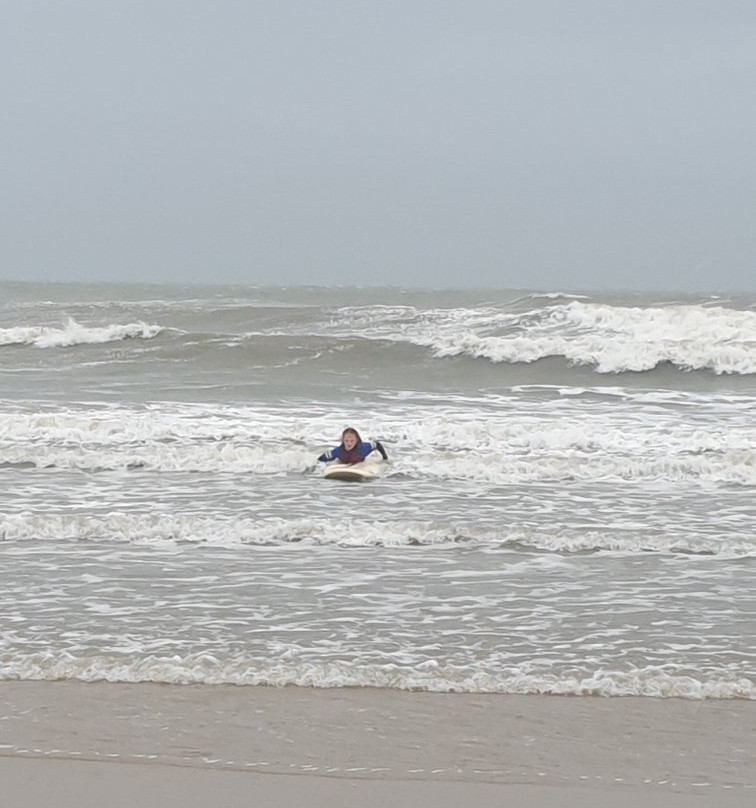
x=350 y=431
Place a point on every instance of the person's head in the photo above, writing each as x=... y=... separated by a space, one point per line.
x=350 y=438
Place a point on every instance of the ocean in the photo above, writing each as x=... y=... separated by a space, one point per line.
x=568 y=506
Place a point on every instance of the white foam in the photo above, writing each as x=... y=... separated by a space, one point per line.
x=197 y=528
x=737 y=467
x=73 y=333
x=560 y=439
x=206 y=668
x=228 y=457
x=616 y=339
x=171 y=529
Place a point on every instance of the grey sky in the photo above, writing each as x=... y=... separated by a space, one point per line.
x=563 y=144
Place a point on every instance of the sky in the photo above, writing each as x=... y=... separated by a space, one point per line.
x=544 y=144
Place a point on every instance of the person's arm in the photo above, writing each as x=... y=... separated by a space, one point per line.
x=378 y=446
x=331 y=454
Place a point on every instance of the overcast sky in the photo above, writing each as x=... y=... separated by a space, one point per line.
x=551 y=144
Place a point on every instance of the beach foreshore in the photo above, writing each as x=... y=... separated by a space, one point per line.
x=73 y=743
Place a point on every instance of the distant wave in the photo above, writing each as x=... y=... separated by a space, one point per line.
x=603 y=338
x=607 y=338
x=73 y=333
x=554 y=296
x=616 y=339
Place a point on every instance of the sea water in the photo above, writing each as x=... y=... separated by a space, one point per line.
x=568 y=507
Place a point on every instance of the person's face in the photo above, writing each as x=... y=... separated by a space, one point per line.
x=350 y=441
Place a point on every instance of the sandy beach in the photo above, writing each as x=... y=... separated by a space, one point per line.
x=71 y=743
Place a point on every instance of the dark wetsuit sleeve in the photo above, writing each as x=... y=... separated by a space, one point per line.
x=373 y=445
x=331 y=454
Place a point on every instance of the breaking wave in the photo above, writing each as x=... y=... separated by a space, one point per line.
x=611 y=339
x=608 y=339
x=73 y=333
x=206 y=668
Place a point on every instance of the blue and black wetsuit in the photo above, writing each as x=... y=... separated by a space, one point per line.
x=356 y=455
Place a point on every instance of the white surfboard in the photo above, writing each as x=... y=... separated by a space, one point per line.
x=355 y=473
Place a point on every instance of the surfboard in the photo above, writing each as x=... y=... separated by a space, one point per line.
x=356 y=473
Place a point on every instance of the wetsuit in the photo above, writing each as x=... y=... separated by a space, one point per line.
x=356 y=455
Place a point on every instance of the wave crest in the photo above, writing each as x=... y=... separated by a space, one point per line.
x=74 y=333
x=616 y=339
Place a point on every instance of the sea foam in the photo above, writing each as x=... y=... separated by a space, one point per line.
x=208 y=668
x=616 y=339
x=198 y=528
x=74 y=333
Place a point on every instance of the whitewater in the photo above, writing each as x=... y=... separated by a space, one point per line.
x=568 y=506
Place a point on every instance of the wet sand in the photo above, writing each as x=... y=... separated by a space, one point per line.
x=75 y=744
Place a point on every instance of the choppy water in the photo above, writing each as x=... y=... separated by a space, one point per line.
x=569 y=506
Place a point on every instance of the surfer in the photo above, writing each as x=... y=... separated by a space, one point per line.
x=352 y=449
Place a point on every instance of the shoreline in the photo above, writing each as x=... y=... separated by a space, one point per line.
x=85 y=784
x=303 y=744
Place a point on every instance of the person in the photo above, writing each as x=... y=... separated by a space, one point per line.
x=352 y=449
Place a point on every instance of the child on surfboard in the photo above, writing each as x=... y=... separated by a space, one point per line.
x=352 y=449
